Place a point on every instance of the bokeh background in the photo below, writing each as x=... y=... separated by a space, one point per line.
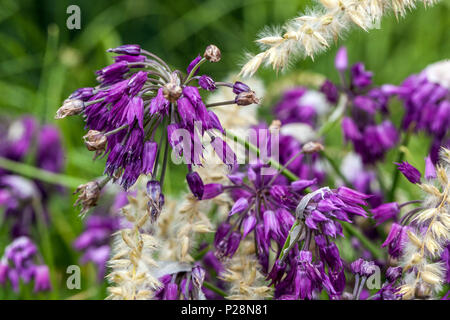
x=42 y=62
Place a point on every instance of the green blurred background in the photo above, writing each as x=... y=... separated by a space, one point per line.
x=42 y=62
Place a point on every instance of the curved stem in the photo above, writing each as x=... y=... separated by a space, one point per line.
x=273 y=163
x=40 y=174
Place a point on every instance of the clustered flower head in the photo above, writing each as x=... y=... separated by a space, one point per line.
x=267 y=208
x=140 y=98
x=312 y=33
x=19 y=264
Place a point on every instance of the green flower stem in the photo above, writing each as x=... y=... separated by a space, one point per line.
x=376 y=252
x=40 y=174
x=271 y=162
x=213 y=288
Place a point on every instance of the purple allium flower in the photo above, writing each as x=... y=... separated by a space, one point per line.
x=385 y=211
x=129 y=106
x=410 y=172
x=371 y=137
x=362 y=267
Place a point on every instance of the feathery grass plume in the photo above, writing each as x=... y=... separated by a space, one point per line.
x=243 y=275
x=312 y=33
x=424 y=273
x=180 y=225
x=133 y=251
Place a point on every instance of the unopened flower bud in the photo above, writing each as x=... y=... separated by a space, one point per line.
x=312 y=147
x=89 y=194
x=172 y=91
x=95 y=140
x=212 y=53
x=70 y=107
x=246 y=98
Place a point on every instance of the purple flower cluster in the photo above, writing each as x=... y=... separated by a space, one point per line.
x=371 y=139
x=18 y=264
x=427 y=108
x=140 y=98
x=267 y=208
